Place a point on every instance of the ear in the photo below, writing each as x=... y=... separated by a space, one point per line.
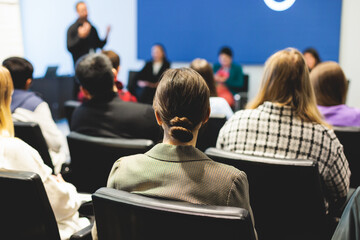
x=86 y=93
x=28 y=83
x=158 y=118
x=115 y=72
x=207 y=117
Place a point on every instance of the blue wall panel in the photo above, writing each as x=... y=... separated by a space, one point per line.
x=198 y=28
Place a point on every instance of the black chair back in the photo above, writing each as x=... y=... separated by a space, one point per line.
x=349 y=137
x=123 y=215
x=25 y=209
x=30 y=133
x=93 y=157
x=69 y=107
x=209 y=133
x=285 y=195
x=132 y=82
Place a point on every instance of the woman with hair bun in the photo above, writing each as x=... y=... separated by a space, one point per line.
x=175 y=169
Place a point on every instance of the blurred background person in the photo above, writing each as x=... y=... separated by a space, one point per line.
x=83 y=38
x=18 y=155
x=145 y=82
x=312 y=58
x=218 y=105
x=26 y=106
x=119 y=87
x=331 y=86
x=228 y=75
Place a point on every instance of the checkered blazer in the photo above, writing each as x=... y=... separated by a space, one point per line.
x=274 y=131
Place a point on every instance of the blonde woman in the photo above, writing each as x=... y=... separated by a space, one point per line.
x=17 y=155
x=283 y=122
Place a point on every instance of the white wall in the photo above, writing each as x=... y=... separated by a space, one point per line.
x=10 y=29
x=350 y=48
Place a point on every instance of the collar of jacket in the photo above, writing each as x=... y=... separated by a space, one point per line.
x=172 y=153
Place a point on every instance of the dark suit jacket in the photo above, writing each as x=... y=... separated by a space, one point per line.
x=146 y=95
x=78 y=46
x=111 y=117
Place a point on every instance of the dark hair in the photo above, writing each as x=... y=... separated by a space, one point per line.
x=78 y=3
x=227 y=51
x=314 y=53
x=114 y=58
x=205 y=70
x=329 y=83
x=20 y=69
x=94 y=72
x=182 y=102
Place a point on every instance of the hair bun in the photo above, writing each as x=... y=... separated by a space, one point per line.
x=181 y=129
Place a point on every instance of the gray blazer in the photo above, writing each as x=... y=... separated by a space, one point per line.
x=181 y=173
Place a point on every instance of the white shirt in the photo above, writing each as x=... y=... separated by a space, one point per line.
x=219 y=105
x=56 y=141
x=64 y=200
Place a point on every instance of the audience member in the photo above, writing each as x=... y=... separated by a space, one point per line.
x=312 y=58
x=218 y=105
x=284 y=122
x=330 y=86
x=175 y=169
x=17 y=155
x=26 y=106
x=145 y=82
x=105 y=114
x=119 y=88
x=348 y=226
x=228 y=75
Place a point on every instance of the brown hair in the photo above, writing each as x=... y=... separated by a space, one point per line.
x=286 y=81
x=182 y=102
x=6 y=89
x=114 y=58
x=206 y=71
x=329 y=83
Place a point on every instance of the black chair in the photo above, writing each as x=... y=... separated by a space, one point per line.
x=241 y=98
x=30 y=133
x=123 y=215
x=25 y=209
x=286 y=196
x=209 y=133
x=132 y=85
x=93 y=157
x=69 y=107
x=349 y=137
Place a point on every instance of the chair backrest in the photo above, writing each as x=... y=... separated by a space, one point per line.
x=209 y=133
x=349 y=137
x=69 y=107
x=285 y=195
x=25 y=209
x=131 y=85
x=123 y=215
x=93 y=157
x=30 y=133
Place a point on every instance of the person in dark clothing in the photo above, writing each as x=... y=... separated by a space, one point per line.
x=145 y=82
x=82 y=37
x=105 y=114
